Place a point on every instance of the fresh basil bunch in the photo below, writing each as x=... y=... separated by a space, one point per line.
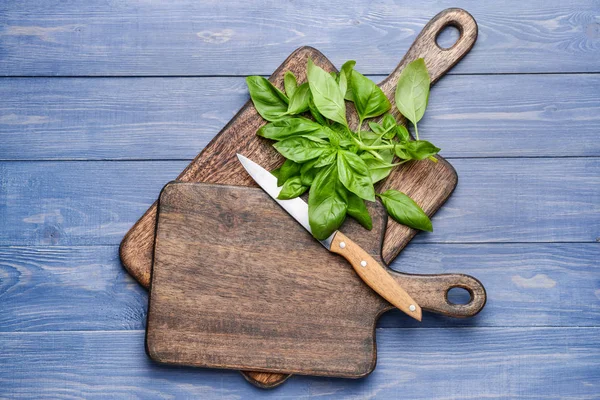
x=340 y=165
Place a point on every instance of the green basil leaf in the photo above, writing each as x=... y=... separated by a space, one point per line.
x=326 y=159
x=420 y=149
x=290 y=127
x=402 y=153
x=369 y=137
x=344 y=76
x=402 y=133
x=377 y=128
x=308 y=172
x=347 y=70
x=300 y=149
x=358 y=210
x=269 y=101
x=326 y=94
x=292 y=188
x=378 y=169
x=326 y=203
x=388 y=122
x=275 y=172
x=405 y=211
x=354 y=174
x=315 y=113
x=412 y=91
x=299 y=100
x=387 y=155
x=288 y=170
x=289 y=83
x=369 y=99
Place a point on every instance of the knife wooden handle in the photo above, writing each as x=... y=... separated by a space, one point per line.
x=374 y=275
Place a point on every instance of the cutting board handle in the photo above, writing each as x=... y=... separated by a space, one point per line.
x=439 y=60
x=431 y=292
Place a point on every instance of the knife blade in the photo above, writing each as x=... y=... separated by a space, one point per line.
x=369 y=270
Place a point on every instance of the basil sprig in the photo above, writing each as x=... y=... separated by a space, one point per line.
x=339 y=166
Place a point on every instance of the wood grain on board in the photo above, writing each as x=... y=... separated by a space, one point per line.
x=239 y=284
x=429 y=184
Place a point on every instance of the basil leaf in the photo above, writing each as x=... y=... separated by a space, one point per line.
x=402 y=153
x=299 y=100
x=378 y=169
x=402 y=133
x=269 y=101
x=308 y=172
x=369 y=99
x=412 y=91
x=387 y=155
x=347 y=70
x=315 y=113
x=290 y=127
x=289 y=83
x=287 y=170
x=326 y=159
x=388 y=122
x=404 y=210
x=420 y=149
x=275 y=172
x=369 y=137
x=344 y=76
x=354 y=174
x=377 y=128
x=292 y=188
x=358 y=210
x=300 y=149
x=326 y=203
x=326 y=94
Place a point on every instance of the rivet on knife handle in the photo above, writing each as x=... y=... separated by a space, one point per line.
x=374 y=275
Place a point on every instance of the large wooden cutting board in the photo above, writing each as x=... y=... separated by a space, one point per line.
x=237 y=283
x=428 y=183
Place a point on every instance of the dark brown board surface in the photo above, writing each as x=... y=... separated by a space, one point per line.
x=237 y=283
x=428 y=183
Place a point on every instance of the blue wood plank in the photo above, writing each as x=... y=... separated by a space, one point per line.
x=188 y=37
x=552 y=363
x=85 y=288
x=174 y=118
x=497 y=200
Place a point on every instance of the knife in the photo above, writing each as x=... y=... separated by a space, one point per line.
x=369 y=270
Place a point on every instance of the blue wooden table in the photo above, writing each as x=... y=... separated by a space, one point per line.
x=102 y=103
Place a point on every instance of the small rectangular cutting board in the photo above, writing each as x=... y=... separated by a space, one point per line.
x=428 y=183
x=237 y=283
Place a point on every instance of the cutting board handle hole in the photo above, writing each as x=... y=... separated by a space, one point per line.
x=459 y=295
x=448 y=36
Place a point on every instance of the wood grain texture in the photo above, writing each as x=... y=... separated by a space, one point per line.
x=49 y=288
x=239 y=284
x=497 y=200
x=213 y=37
x=174 y=118
x=515 y=363
x=429 y=184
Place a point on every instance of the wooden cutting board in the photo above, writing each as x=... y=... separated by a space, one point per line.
x=237 y=283
x=428 y=183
